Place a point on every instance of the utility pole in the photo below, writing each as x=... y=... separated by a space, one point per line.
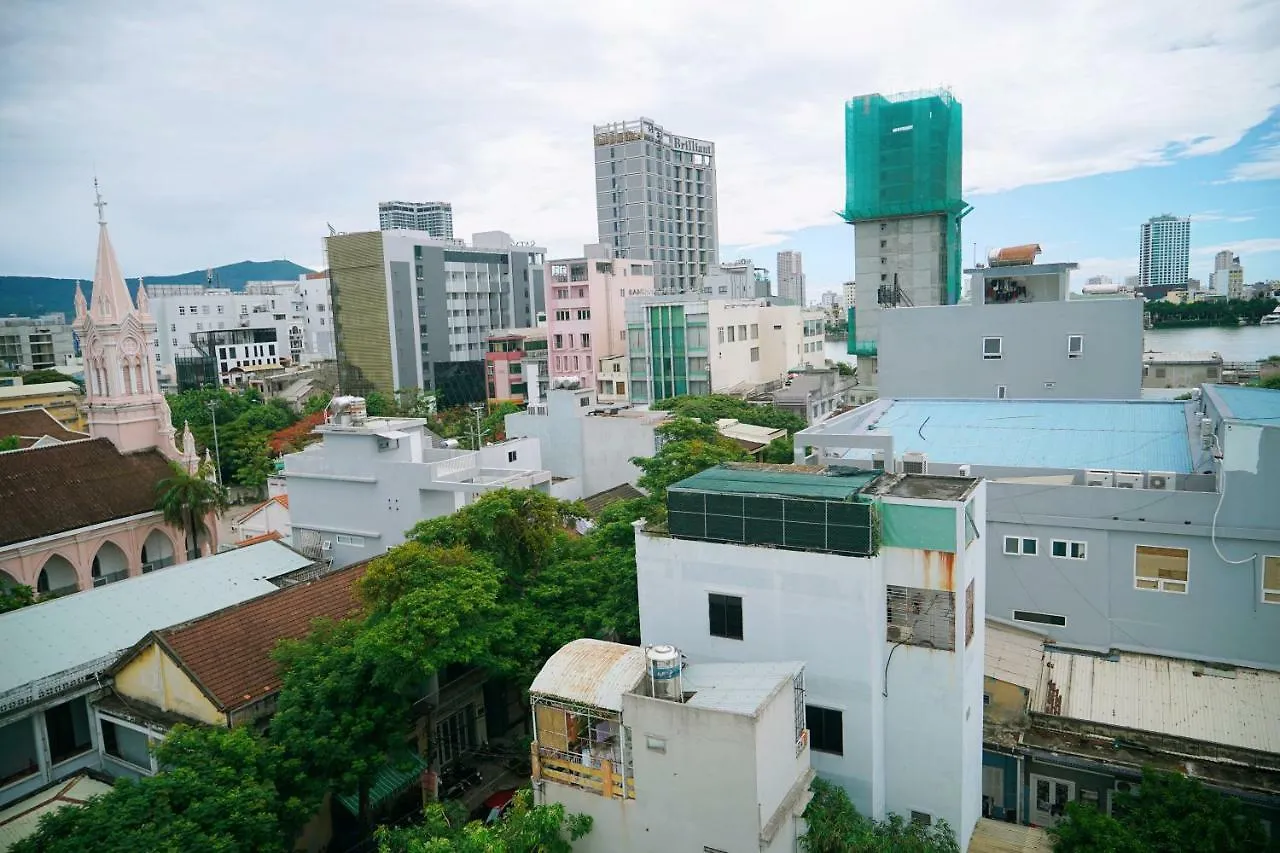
x=477 y=410
x=213 y=405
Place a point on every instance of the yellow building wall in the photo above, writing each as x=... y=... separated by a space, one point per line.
x=154 y=678
x=65 y=408
x=1008 y=701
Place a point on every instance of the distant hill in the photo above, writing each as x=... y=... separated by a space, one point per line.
x=30 y=296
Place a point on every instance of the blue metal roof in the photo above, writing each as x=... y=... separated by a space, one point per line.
x=1250 y=404
x=1071 y=434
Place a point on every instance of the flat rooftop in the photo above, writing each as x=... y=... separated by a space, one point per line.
x=735 y=688
x=1247 y=404
x=798 y=481
x=924 y=487
x=1146 y=435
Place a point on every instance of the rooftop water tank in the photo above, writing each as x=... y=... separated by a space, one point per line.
x=664 y=672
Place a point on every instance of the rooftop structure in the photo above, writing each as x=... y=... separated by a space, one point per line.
x=35 y=343
x=433 y=217
x=660 y=752
x=754 y=562
x=36 y=426
x=1143 y=526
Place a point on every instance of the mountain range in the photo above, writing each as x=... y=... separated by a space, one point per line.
x=31 y=296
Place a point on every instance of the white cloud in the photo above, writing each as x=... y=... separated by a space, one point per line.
x=1218 y=216
x=1243 y=248
x=1264 y=165
x=225 y=130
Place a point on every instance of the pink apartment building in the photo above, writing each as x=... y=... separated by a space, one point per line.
x=586 y=320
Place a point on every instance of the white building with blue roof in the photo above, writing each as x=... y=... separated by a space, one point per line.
x=55 y=654
x=1142 y=526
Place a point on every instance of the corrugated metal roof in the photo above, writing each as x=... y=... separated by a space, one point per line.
x=20 y=820
x=395 y=777
x=1013 y=655
x=736 y=688
x=1164 y=696
x=56 y=636
x=1073 y=434
x=775 y=480
x=996 y=836
x=1250 y=404
x=591 y=672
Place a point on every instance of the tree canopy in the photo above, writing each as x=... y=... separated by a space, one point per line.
x=526 y=829
x=711 y=407
x=185 y=501
x=835 y=826
x=1213 y=312
x=246 y=426
x=1169 y=813
x=687 y=447
x=221 y=790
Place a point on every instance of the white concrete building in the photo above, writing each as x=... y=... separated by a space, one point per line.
x=353 y=495
x=694 y=345
x=849 y=295
x=297 y=314
x=666 y=756
x=1164 y=254
x=434 y=217
x=590 y=444
x=876 y=582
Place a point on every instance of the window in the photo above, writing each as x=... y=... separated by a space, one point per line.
x=731 y=334
x=986 y=699
x=755 y=353
x=583 y=402
x=1161 y=569
x=720 y=333
x=1271 y=580
x=173 y=327
x=511 y=456
x=220 y=308
x=921 y=818
x=657 y=744
x=562 y=315
x=755 y=331
x=742 y=333
x=204 y=309
x=1067 y=550
x=725 y=615
x=1075 y=346
x=558 y=342
x=68 y=730
x=584 y=313
x=353 y=541
x=1038 y=618
x=992 y=348
x=182 y=310
x=920 y=617
x=1002 y=392
x=586 y=341
x=127 y=744
x=1021 y=546
x=826 y=729
x=969 y=597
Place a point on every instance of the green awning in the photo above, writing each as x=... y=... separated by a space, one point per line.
x=396 y=776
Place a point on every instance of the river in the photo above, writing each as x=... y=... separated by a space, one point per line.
x=1233 y=343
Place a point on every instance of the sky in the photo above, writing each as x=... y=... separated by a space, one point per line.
x=232 y=130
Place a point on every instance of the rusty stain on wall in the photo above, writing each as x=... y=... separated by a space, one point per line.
x=939 y=570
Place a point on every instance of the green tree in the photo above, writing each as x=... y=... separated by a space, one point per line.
x=780 y=451
x=186 y=500
x=711 y=407
x=42 y=377
x=220 y=790
x=9 y=442
x=688 y=446
x=526 y=829
x=254 y=461
x=1272 y=382
x=1170 y=813
x=835 y=826
x=336 y=721
x=377 y=405
x=316 y=403
x=16 y=596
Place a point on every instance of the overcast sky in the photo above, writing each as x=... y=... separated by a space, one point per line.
x=230 y=130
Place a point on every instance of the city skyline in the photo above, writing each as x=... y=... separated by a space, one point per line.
x=263 y=188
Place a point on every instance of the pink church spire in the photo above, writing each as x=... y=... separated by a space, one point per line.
x=110 y=301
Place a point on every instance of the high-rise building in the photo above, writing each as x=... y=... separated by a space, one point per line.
x=1228 y=275
x=656 y=200
x=35 y=343
x=850 y=294
x=434 y=217
x=1164 y=255
x=412 y=311
x=902 y=195
x=791 y=277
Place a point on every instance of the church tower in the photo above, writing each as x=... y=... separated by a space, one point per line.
x=124 y=403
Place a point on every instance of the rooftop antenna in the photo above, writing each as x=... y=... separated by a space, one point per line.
x=333 y=232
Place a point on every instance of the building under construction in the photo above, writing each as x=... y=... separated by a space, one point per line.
x=902 y=195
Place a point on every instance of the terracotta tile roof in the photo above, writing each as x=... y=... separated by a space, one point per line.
x=48 y=490
x=269 y=536
x=34 y=424
x=597 y=502
x=229 y=652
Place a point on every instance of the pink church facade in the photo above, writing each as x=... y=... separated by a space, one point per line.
x=99 y=524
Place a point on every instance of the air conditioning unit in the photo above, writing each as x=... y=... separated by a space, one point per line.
x=1129 y=479
x=1099 y=478
x=877 y=460
x=963 y=470
x=326 y=545
x=898 y=634
x=915 y=463
x=1206 y=427
x=1161 y=480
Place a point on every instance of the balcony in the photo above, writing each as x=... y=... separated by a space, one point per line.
x=159 y=563
x=602 y=780
x=111 y=577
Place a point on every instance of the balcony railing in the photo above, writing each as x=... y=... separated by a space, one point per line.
x=160 y=563
x=602 y=780
x=111 y=577
x=59 y=591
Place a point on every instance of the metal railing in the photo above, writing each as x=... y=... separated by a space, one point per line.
x=59 y=591
x=602 y=780
x=34 y=691
x=160 y=563
x=112 y=577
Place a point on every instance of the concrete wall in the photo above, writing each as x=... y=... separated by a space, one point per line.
x=937 y=351
x=153 y=677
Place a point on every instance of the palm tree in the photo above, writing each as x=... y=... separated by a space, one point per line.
x=185 y=500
